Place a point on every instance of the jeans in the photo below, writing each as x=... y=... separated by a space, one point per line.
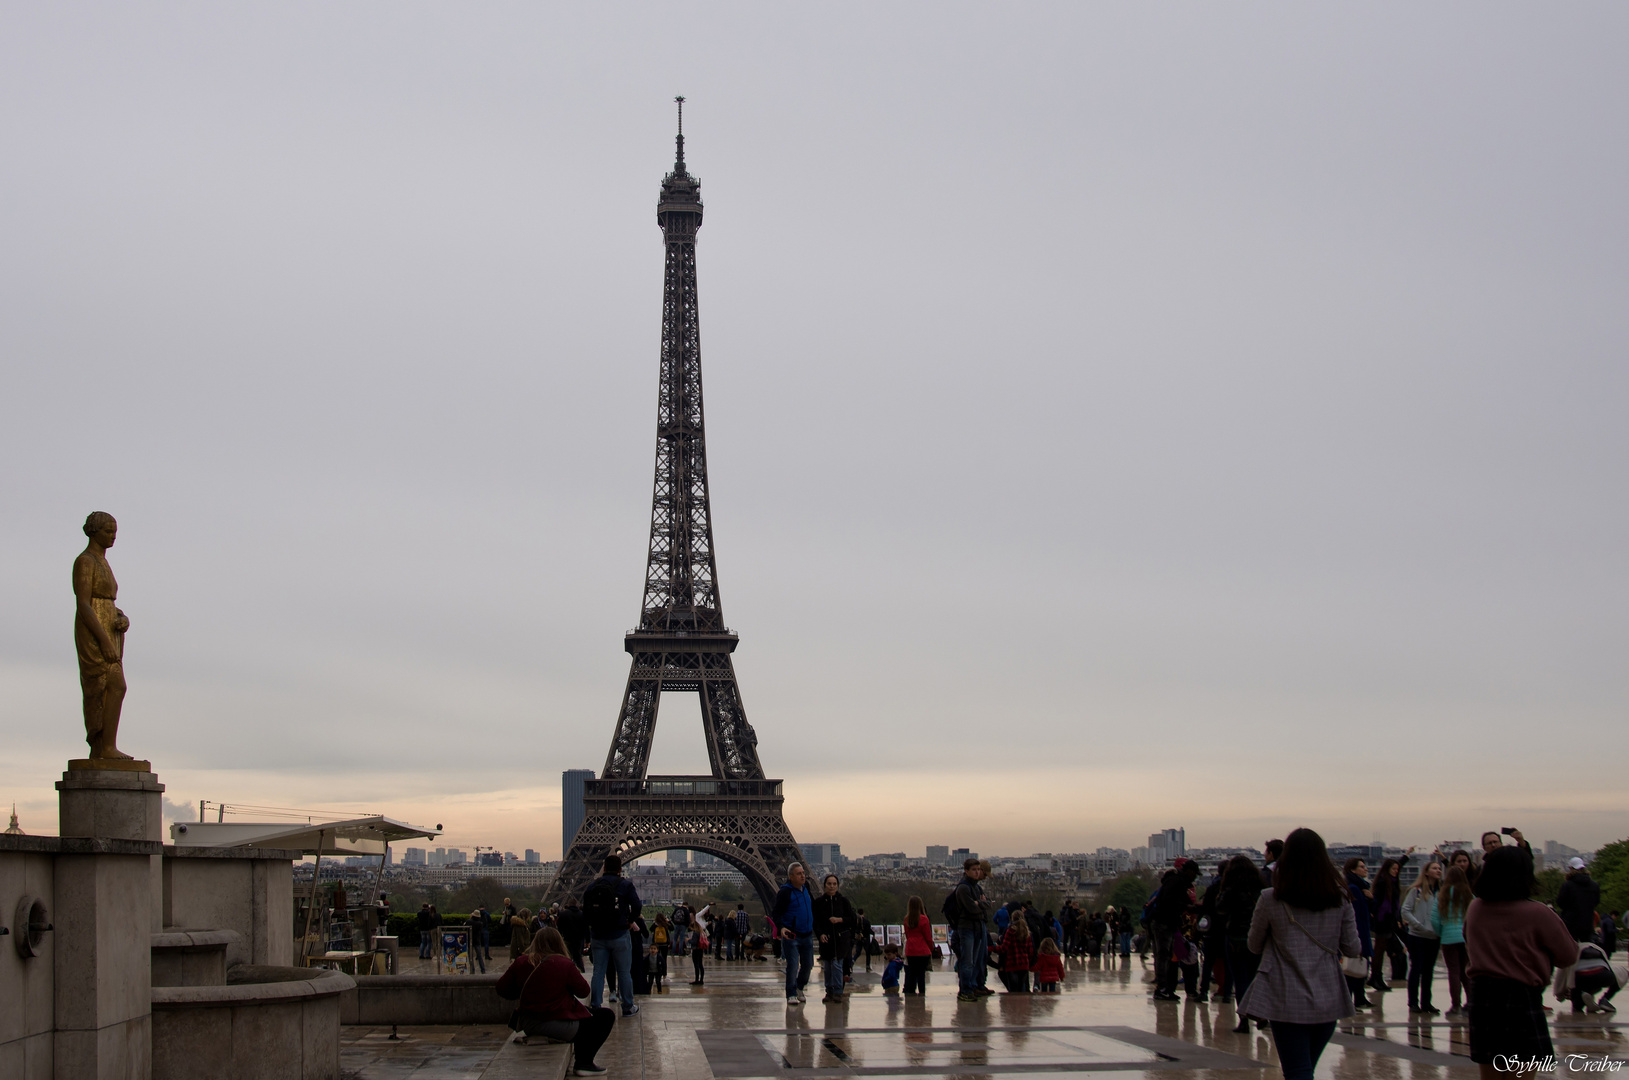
x=1299 y=1046
x=972 y=946
x=424 y=943
x=1125 y=943
x=729 y=948
x=606 y=952
x=1454 y=959
x=586 y=1036
x=799 y=953
x=836 y=968
x=1215 y=952
x=1165 y=969
x=1422 y=957
x=916 y=974
x=1241 y=968
x=486 y=942
x=679 y=940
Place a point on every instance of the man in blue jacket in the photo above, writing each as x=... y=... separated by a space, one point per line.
x=794 y=914
x=611 y=905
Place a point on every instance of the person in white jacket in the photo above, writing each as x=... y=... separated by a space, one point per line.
x=1421 y=937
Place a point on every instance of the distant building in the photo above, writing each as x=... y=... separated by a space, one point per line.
x=571 y=806
x=488 y=858
x=14 y=829
x=961 y=855
x=533 y=858
x=653 y=883
x=827 y=857
x=414 y=856
x=938 y=854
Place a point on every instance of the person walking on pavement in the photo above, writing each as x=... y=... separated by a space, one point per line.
x=794 y=915
x=1577 y=900
x=1309 y=920
x=611 y=905
x=425 y=924
x=862 y=938
x=1171 y=906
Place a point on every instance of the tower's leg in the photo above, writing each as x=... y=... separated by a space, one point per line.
x=636 y=726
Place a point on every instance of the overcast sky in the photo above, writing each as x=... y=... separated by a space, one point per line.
x=1119 y=416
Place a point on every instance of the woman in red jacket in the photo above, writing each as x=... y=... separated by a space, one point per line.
x=545 y=986
x=918 y=946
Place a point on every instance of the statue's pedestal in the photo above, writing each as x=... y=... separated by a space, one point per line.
x=109 y=902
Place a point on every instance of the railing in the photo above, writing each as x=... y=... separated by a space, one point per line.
x=657 y=787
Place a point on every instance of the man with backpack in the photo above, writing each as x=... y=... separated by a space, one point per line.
x=794 y=914
x=968 y=911
x=611 y=906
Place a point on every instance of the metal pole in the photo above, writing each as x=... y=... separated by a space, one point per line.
x=311 y=906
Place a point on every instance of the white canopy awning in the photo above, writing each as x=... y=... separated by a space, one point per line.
x=356 y=836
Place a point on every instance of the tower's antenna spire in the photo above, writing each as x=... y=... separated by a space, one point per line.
x=678 y=165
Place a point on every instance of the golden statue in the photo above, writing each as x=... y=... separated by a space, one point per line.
x=99 y=635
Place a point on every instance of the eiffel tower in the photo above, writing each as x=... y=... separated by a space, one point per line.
x=681 y=642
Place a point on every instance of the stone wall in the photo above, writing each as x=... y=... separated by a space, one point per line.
x=425 y=999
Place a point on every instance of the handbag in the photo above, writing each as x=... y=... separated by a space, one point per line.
x=514 y=1014
x=1353 y=967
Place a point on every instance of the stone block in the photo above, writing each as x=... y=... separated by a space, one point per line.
x=116 y=1052
x=247 y=890
x=25 y=982
x=111 y=804
x=103 y=961
x=537 y=1060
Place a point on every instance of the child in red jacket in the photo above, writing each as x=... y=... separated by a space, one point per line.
x=1048 y=967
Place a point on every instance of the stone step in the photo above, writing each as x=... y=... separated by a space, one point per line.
x=539 y=1059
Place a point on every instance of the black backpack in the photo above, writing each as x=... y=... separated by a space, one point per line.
x=604 y=910
x=950 y=909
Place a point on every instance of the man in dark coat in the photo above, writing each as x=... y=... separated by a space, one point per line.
x=612 y=908
x=1577 y=900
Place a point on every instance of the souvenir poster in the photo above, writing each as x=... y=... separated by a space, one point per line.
x=877 y=936
x=896 y=935
x=454 y=953
x=941 y=934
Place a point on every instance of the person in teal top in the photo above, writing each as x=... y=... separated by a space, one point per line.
x=1448 y=920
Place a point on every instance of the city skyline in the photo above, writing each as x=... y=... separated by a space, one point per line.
x=1085 y=421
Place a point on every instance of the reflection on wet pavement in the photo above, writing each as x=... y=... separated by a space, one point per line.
x=738 y=1025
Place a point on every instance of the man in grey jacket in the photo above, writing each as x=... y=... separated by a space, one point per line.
x=973 y=944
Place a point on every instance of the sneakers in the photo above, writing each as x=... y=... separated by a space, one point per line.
x=831 y=999
x=802 y=997
x=985 y=991
x=588 y=1070
x=630 y=1010
x=611 y=997
x=969 y=997
x=792 y=1001
x=518 y=1038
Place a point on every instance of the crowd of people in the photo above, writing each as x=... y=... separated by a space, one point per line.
x=1296 y=944
x=1299 y=944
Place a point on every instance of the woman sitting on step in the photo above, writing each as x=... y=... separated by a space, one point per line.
x=545 y=986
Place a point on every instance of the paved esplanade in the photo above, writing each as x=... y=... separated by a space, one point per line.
x=738 y=1025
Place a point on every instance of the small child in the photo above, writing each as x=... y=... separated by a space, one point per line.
x=892 y=966
x=1048 y=967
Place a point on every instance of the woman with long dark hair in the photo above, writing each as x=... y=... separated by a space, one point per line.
x=1386 y=916
x=918 y=946
x=1515 y=945
x=1362 y=893
x=545 y=986
x=1301 y=928
x=1235 y=907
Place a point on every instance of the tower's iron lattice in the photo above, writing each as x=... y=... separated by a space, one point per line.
x=681 y=642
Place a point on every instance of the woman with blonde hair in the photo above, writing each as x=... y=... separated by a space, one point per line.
x=545 y=986
x=1420 y=938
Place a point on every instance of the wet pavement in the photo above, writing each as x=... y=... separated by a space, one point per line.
x=739 y=1025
